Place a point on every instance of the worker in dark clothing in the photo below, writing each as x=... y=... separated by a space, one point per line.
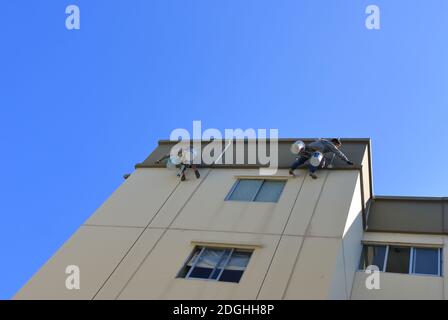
x=315 y=153
x=184 y=163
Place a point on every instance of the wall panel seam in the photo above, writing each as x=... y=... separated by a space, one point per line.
x=134 y=243
x=163 y=233
x=306 y=235
x=280 y=238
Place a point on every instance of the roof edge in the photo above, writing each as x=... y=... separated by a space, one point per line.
x=409 y=198
x=291 y=140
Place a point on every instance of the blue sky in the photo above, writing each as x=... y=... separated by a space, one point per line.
x=79 y=108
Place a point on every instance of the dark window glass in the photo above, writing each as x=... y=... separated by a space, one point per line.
x=216 y=264
x=183 y=273
x=222 y=262
x=239 y=260
x=231 y=275
x=236 y=266
x=199 y=272
x=206 y=262
x=373 y=255
x=426 y=261
x=398 y=259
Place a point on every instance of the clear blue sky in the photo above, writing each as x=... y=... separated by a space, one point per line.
x=79 y=108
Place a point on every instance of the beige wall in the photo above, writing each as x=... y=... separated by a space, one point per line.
x=137 y=200
x=156 y=279
x=399 y=286
x=305 y=246
x=326 y=263
x=95 y=250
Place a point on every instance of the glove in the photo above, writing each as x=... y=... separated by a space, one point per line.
x=350 y=163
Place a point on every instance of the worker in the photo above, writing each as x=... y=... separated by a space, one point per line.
x=184 y=163
x=315 y=153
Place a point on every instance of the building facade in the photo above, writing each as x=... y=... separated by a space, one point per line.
x=236 y=234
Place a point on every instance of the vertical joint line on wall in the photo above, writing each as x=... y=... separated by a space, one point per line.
x=304 y=237
x=136 y=240
x=280 y=238
x=161 y=236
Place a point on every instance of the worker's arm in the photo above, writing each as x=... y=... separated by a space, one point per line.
x=163 y=158
x=339 y=154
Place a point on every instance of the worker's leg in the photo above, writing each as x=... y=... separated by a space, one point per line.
x=313 y=169
x=183 y=168
x=196 y=171
x=300 y=160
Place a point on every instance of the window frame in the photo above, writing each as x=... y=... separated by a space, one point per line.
x=400 y=246
x=411 y=258
x=237 y=182
x=386 y=258
x=439 y=262
x=364 y=252
x=223 y=268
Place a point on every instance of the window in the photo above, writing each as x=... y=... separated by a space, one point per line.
x=398 y=259
x=245 y=190
x=373 y=255
x=257 y=190
x=426 y=261
x=217 y=264
x=403 y=259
